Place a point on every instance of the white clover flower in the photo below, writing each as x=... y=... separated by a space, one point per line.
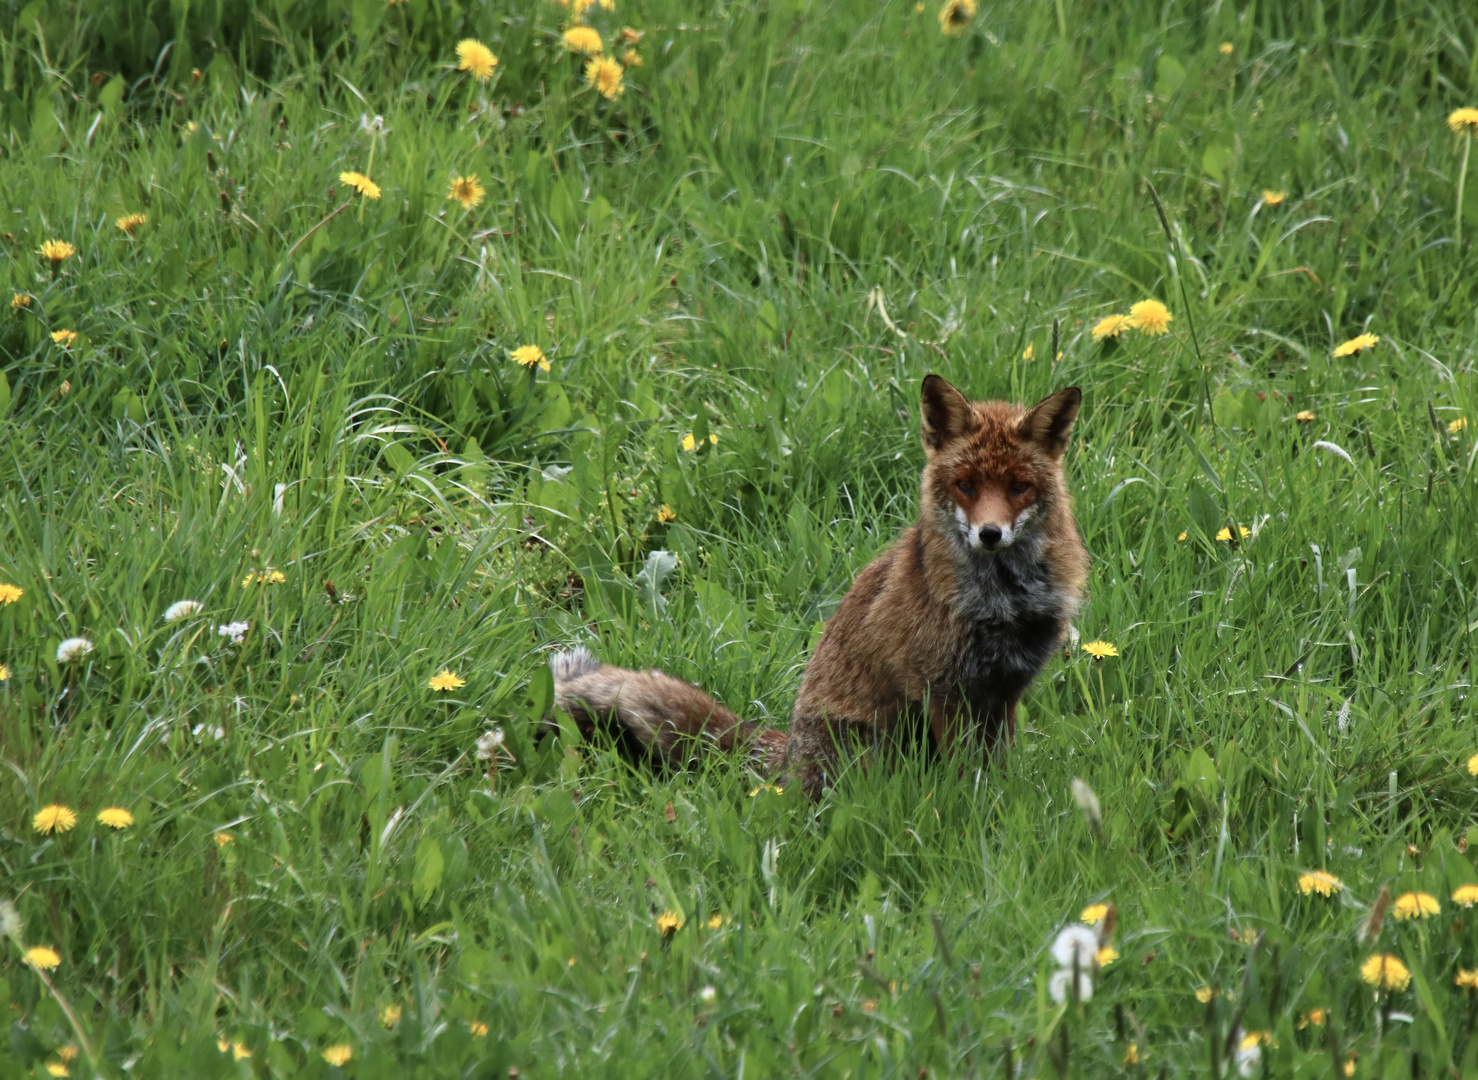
x=74 y=648
x=1060 y=986
x=236 y=631
x=708 y=995
x=489 y=743
x=1076 y=942
x=181 y=609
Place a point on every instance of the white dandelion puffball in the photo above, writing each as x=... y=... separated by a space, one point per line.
x=74 y=648
x=1060 y=986
x=236 y=631
x=488 y=743
x=181 y=609
x=1076 y=942
x=708 y=994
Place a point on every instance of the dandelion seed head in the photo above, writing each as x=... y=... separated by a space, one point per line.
x=181 y=609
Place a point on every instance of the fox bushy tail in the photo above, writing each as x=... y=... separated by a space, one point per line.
x=654 y=716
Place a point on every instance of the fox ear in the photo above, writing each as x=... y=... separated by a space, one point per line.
x=1051 y=419
x=946 y=414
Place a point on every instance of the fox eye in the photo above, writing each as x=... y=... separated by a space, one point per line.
x=966 y=488
x=1020 y=487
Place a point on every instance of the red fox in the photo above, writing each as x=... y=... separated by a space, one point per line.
x=945 y=629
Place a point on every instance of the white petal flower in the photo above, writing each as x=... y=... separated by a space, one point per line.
x=181 y=609
x=1076 y=942
x=488 y=744
x=1060 y=986
x=74 y=648
x=236 y=631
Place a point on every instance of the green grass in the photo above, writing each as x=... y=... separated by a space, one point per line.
x=261 y=383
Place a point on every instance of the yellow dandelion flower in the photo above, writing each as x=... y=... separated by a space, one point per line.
x=1100 y=649
x=390 y=1016
x=1457 y=425
x=57 y=251
x=1317 y=1017
x=1204 y=994
x=475 y=57
x=1349 y=1066
x=1150 y=317
x=669 y=922
x=530 y=356
x=115 y=817
x=1225 y=48
x=53 y=818
x=9 y=594
x=1030 y=352
x=631 y=58
x=606 y=76
x=1131 y=1055
x=19 y=301
x=1473 y=765
x=446 y=679
x=1463 y=120
x=1253 y=1038
x=584 y=40
x=1225 y=535
x=1468 y=980
x=1465 y=895
x=666 y=514
x=478 y=1029
x=67 y=1053
x=224 y=838
x=773 y=789
x=466 y=190
x=4 y=673
x=1415 y=905
x=1356 y=344
x=716 y=921
x=57 y=1068
x=1106 y=956
x=360 y=183
x=1385 y=972
x=1305 y=416
x=689 y=443
x=1111 y=326
x=64 y=338
x=237 y=1048
x=338 y=1054
x=607 y=5
x=1273 y=198
x=631 y=37
x=1093 y=914
x=955 y=17
x=1319 y=882
x=40 y=956
x=130 y=223
x=1182 y=536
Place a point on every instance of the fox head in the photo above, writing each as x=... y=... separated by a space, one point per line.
x=994 y=470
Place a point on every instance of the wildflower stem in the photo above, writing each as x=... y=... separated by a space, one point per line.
x=71 y=1016
x=1462 y=179
x=369 y=170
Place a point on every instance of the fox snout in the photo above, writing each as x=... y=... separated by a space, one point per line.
x=992 y=528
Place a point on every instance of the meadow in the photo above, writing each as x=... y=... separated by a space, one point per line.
x=346 y=373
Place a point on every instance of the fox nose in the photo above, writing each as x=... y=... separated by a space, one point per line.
x=990 y=535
